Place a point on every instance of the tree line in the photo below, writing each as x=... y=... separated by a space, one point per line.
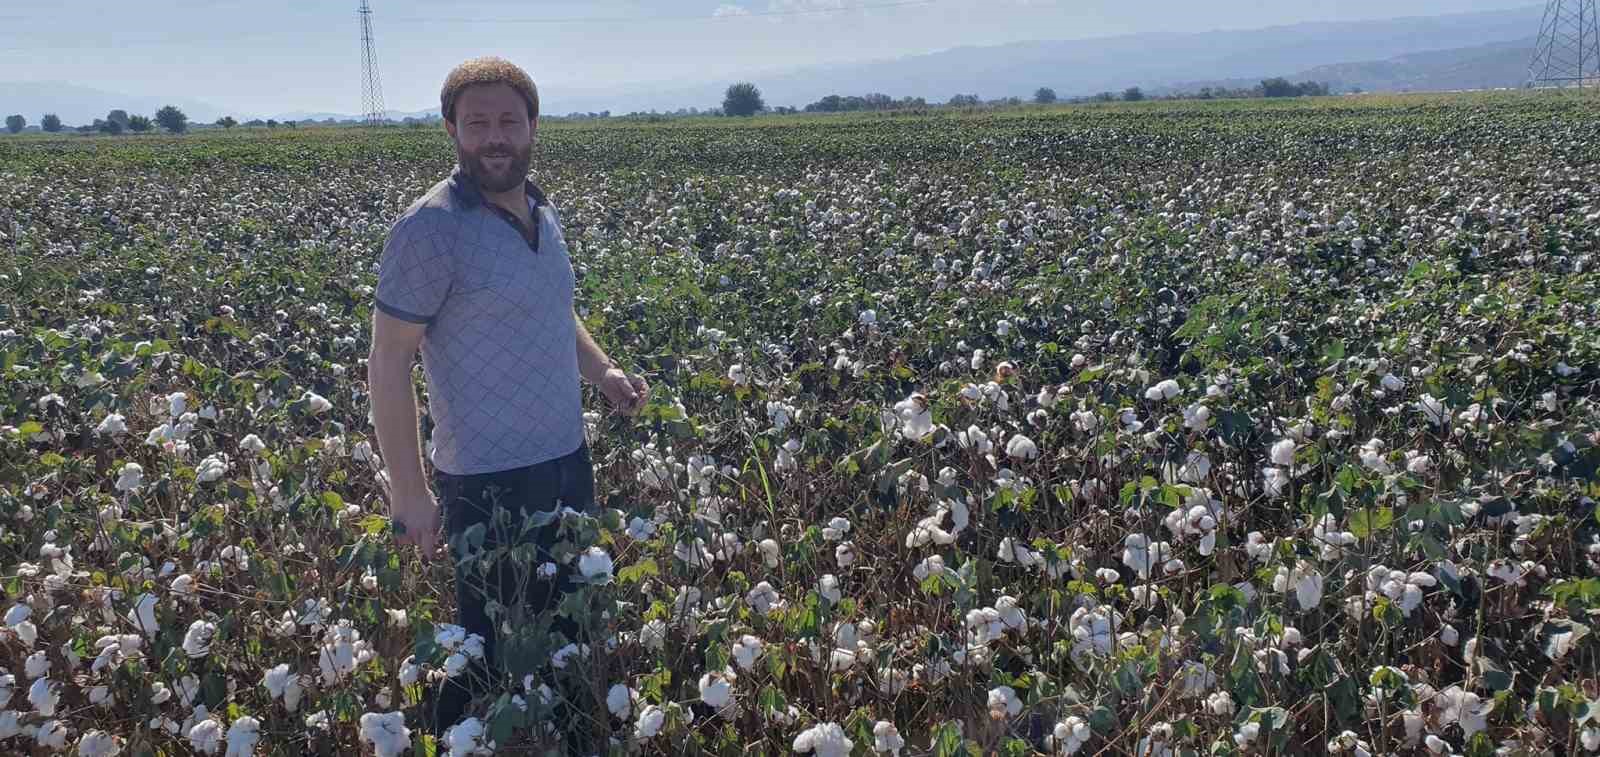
x=744 y=98
x=741 y=99
x=169 y=118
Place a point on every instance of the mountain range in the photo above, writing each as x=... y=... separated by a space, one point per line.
x=1446 y=52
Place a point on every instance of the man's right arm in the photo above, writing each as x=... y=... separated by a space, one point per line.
x=394 y=414
x=414 y=280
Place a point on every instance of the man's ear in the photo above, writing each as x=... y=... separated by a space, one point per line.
x=450 y=128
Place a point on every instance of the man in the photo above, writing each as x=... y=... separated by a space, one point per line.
x=476 y=273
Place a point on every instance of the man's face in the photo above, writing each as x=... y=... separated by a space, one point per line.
x=493 y=136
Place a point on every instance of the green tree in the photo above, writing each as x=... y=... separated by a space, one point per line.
x=172 y=119
x=119 y=117
x=1133 y=94
x=1044 y=96
x=109 y=127
x=227 y=122
x=15 y=124
x=1278 y=87
x=140 y=124
x=50 y=123
x=742 y=99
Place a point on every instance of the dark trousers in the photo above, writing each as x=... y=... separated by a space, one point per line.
x=469 y=500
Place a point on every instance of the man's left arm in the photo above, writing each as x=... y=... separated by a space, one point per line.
x=627 y=393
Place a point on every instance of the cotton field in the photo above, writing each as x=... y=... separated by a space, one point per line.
x=1169 y=429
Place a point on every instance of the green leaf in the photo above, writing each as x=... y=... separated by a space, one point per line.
x=638 y=571
x=1369 y=520
x=1333 y=350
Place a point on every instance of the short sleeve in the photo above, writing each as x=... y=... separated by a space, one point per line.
x=415 y=272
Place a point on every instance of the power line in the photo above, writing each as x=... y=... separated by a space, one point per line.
x=662 y=17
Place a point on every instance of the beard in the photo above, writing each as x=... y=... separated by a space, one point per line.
x=475 y=164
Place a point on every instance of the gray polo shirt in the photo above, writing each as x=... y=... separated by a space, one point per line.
x=500 y=352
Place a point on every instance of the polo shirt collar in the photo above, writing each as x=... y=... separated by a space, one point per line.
x=466 y=191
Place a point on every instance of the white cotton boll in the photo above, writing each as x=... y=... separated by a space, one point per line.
x=1220 y=704
x=52 y=735
x=130 y=477
x=37 y=664
x=716 y=689
x=844 y=555
x=771 y=552
x=915 y=416
x=1466 y=709
x=112 y=425
x=595 y=563
x=1432 y=410
x=746 y=651
x=97 y=743
x=1003 y=703
x=386 y=732
x=1283 y=452
x=1449 y=635
x=44 y=695
x=1021 y=448
x=1590 y=737
x=252 y=443
x=564 y=655
x=1069 y=736
x=824 y=740
x=836 y=529
x=1165 y=390
x=828 y=588
x=1196 y=467
x=316 y=403
x=281 y=683
x=410 y=671
x=206 y=736
x=467 y=738
x=197 y=641
x=177 y=404
x=649 y=722
x=886 y=738
x=653 y=635
x=242 y=736
x=1246 y=735
x=640 y=529
x=620 y=700
x=211 y=468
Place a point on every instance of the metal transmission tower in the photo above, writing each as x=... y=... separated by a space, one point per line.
x=1568 y=51
x=371 y=87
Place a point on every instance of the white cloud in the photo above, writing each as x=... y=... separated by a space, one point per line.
x=730 y=10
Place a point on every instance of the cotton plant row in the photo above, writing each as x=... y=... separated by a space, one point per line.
x=1284 y=453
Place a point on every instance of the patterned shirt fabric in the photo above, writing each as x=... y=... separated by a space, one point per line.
x=500 y=350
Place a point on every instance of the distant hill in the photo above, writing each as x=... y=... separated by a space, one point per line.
x=1088 y=66
x=1500 y=64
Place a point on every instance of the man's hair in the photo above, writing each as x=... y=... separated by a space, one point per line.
x=487 y=70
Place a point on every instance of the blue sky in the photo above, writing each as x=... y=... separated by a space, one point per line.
x=268 y=57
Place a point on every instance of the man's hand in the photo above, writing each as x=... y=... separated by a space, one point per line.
x=416 y=516
x=626 y=393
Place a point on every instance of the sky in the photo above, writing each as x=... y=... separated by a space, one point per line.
x=305 y=55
